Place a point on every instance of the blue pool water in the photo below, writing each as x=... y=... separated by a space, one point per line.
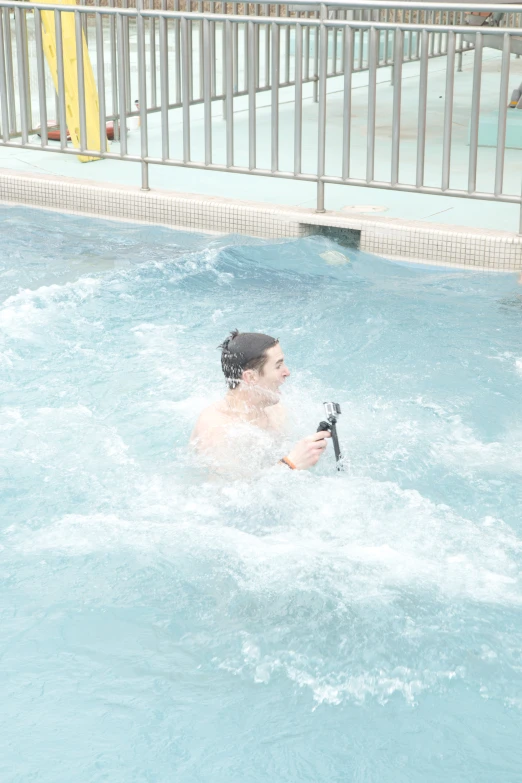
x=156 y=626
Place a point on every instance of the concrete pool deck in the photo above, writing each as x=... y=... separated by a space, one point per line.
x=484 y=225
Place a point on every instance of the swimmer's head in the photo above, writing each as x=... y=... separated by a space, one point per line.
x=254 y=359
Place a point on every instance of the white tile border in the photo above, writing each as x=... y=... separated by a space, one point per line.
x=414 y=240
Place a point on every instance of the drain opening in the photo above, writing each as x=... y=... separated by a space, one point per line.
x=346 y=237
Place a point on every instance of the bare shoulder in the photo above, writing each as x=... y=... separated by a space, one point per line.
x=211 y=420
x=276 y=416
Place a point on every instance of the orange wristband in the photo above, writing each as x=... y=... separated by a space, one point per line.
x=288 y=462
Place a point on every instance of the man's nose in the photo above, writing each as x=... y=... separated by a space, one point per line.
x=286 y=371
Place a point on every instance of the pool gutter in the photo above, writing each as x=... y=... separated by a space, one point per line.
x=413 y=240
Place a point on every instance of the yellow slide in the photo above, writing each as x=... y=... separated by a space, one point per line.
x=72 y=108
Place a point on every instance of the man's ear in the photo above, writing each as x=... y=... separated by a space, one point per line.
x=249 y=376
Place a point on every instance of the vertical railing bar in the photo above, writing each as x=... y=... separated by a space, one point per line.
x=328 y=36
x=361 y=49
x=83 y=21
x=372 y=100
x=287 y=52
x=185 y=88
x=252 y=73
x=423 y=96
x=164 y=86
x=21 y=74
x=475 y=112
x=448 y=111
x=27 y=85
x=235 y=51
x=207 y=90
x=190 y=56
x=316 y=65
x=114 y=73
x=502 y=115
x=307 y=55
x=321 y=125
x=152 y=59
x=245 y=52
x=298 y=98
x=40 y=68
x=347 y=105
x=229 y=92
x=122 y=92
x=386 y=37
x=257 y=50
x=60 y=78
x=344 y=16
x=275 y=98
x=100 y=71
x=392 y=19
x=213 y=52
x=177 y=38
x=4 y=102
x=80 y=79
x=223 y=65
x=11 y=101
x=397 y=96
x=267 y=49
x=56 y=108
x=201 y=58
x=142 y=95
x=334 y=47
x=126 y=55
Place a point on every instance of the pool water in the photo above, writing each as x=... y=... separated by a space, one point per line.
x=159 y=626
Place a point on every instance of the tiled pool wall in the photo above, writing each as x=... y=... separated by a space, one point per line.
x=390 y=237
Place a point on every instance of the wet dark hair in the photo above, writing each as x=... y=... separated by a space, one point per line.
x=244 y=351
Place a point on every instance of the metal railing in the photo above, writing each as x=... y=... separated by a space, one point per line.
x=180 y=63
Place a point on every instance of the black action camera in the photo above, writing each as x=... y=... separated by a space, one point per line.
x=332 y=411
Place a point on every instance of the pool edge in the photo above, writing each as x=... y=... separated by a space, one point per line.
x=390 y=237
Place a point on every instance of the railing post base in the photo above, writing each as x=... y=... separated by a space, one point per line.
x=144 y=176
x=320 y=197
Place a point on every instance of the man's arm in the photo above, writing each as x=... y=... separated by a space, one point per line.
x=307 y=452
x=210 y=437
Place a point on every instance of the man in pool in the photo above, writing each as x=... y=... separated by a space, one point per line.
x=254 y=368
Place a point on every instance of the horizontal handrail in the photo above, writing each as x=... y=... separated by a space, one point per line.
x=277 y=20
x=391 y=5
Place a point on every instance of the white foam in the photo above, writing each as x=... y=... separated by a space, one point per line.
x=334 y=688
x=22 y=313
x=346 y=539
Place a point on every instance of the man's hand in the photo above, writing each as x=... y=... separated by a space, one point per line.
x=306 y=453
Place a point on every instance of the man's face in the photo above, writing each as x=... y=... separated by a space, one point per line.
x=274 y=373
